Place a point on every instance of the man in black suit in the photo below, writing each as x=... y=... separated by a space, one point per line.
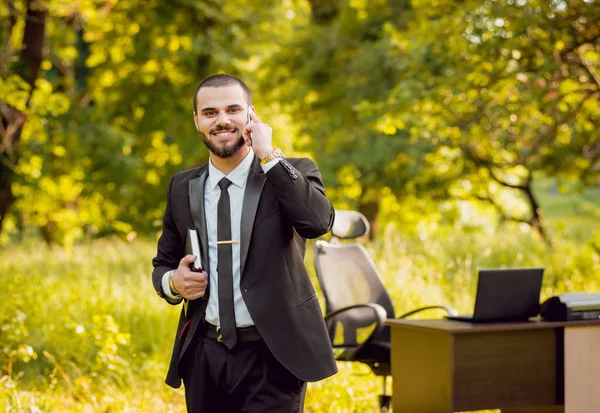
x=251 y=332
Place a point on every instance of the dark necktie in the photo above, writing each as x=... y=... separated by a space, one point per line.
x=225 y=267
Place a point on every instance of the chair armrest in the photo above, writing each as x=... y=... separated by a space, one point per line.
x=379 y=317
x=448 y=309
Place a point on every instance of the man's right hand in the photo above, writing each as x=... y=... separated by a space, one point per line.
x=189 y=284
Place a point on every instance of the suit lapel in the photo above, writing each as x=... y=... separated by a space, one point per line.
x=254 y=187
x=196 y=199
x=196 y=190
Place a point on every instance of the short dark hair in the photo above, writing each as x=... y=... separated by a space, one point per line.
x=220 y=80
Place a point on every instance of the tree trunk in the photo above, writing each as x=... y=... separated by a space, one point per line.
x=370 y=209
x=32 y=51
x=536 y=220
x=324 y=11
x=6 y=196
x=28 y=67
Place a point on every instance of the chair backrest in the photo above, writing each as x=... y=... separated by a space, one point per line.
x=349 y=225
x=347 y=274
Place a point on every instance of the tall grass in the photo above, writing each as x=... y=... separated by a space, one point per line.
x=96 y=334
x=84 y=331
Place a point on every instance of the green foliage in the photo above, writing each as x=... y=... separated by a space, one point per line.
x=508 y=95
x=391 y=98
x=339 y=66
x=471 y=101
x=13 y=341
x=111 y=114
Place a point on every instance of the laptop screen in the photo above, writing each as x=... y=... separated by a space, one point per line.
x=512 y=293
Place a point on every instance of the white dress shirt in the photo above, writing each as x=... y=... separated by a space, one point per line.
x=212 y=193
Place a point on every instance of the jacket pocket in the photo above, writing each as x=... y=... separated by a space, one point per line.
x=306 y=300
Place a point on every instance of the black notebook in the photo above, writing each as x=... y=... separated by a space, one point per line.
x=192 y=247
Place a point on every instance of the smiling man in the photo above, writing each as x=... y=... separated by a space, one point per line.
x=251 y=332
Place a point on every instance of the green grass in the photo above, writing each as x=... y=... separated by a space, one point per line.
x=100 y=334
x=84 y=331
x=101 y=337
x=569 y=212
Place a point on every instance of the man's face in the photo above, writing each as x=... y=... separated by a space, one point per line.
x=220 y=118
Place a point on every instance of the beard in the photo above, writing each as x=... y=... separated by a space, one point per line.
x=223 y=149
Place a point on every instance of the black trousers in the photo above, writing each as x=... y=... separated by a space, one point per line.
x=245 y=379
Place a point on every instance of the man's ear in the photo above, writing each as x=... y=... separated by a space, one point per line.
x=196 y=121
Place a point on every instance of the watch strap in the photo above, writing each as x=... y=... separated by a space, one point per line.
x=276 y=153
x=172 y=285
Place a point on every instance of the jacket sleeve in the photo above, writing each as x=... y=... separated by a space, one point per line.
x=301 y=193
x=170 y=250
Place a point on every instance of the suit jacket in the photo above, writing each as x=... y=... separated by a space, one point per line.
x=280 y=210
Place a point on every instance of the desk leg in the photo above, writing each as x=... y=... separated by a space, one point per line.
x=548 y=409
x=582 y=369
x=421 y=368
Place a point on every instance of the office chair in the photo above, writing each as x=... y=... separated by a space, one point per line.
x=356 y=301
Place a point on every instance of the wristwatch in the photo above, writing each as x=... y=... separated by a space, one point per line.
x=172 y=284
x=275 y=154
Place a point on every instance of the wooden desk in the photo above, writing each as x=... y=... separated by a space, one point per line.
x=443 y=366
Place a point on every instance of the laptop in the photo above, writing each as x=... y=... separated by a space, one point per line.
x=511 y=294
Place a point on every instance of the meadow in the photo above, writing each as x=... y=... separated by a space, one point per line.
x=82 y=330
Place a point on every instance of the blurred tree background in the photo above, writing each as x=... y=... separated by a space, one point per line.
x=442 y=121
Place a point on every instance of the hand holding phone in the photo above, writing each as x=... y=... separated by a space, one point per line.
x=261 y=143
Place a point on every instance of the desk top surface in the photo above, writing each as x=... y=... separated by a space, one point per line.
x=462 y=327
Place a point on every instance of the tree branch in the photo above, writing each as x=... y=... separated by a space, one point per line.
x=14 y=121
x=575 y=45
x=503 y=215
x=586 y=66
x=506 y=184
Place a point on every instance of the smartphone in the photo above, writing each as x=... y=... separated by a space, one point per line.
x=249 y=109
x=249 y=121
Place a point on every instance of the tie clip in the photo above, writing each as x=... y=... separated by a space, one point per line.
x=233 y=241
